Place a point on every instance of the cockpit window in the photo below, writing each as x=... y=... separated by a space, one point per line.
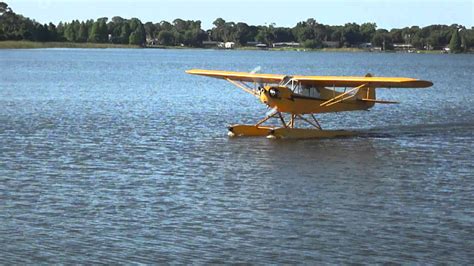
x=309 y=91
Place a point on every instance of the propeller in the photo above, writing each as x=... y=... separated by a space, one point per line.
x=256 y=70
x=271 y=111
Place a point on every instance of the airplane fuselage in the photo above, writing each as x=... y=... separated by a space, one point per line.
x=285 y=100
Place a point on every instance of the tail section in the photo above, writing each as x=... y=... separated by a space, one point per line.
x=366 y=94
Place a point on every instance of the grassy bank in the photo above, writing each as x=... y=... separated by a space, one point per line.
x=430 y=52
x=302 y=49
x=31 y=45
x=318 y=49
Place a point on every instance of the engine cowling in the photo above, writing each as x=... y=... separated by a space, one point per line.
x=275 y=96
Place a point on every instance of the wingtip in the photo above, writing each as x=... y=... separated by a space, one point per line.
x=426 y=83
x=190 y=71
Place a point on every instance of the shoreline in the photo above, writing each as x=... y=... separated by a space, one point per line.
x=43 y=45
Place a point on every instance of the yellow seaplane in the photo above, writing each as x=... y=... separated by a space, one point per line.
x=295 y=99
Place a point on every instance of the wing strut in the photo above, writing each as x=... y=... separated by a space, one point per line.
x=337 y=99
x=243 y=87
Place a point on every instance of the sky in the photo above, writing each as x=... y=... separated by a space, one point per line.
x=286 y=13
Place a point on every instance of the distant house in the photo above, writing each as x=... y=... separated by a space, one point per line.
x=229 y=45
x=150 y=41
x=226 y=45
x=366 y=45
x=402 y=46
x=261 y=46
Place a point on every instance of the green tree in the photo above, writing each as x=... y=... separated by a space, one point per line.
x=382 y=39
x=397 y=36
x=367 y=31
x=150 y=30
x=166 y=37
x=310 y=30
x=216 y=31
x=351 y=33
x=4 y=8
x=41 y=33
x=468 y=37
x=135 y=38
x=114 y=28
x=82 y=33
x=180 y=25
x=194 y=37
x=315 y=43
x=241 y=34
x=165 y=25
x=117 y=20
x=125 y=33
x=69 y=32
x=434 y=40
x=417 y=41
x=98 y=33
x=103 y=31
x=336 y=34
x=138 y=32
x=94 y=35
x=283 y=35
x=53 y=34
x=266 y=35
x=224 y=31
x=455 y=43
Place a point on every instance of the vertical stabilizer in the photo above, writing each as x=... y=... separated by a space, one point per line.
x=366 y=93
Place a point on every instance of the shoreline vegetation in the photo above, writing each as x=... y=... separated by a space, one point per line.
x=43 y=45
x=52 y=45
x=20 y=32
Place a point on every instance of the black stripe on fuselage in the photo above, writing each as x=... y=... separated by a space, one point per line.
x=299 y=96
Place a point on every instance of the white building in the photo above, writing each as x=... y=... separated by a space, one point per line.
x=229 y=45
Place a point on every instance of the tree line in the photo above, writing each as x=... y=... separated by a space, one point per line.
x=309 y=33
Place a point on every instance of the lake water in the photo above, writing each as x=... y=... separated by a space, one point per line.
x=118 y=156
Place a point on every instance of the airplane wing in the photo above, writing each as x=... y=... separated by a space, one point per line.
x=238 y=76
x=317 y=81
x=376 y=82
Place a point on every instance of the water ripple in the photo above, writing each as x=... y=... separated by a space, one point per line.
x=131 y=166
